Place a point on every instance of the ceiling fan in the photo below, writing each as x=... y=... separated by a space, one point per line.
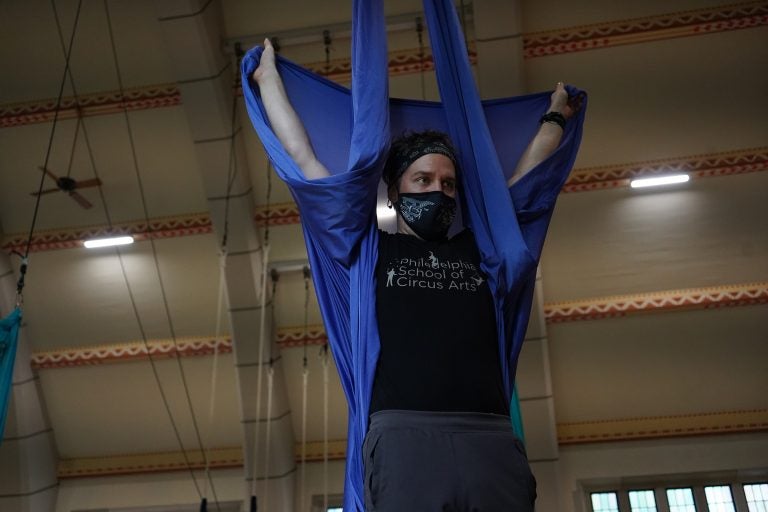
x=70 y=186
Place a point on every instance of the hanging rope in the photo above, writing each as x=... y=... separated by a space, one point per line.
x=270 y=387
x=214 y=371
x=304 y=385
x=169 y=320
x=232 y=169
x=420 y=35
x=324 y=355
x=231 y=175
x=74 y=143
x=268 y=210
x=263 y=287
x=81 y=119
x=25 y=257
x=327 y=45
x=67 y=51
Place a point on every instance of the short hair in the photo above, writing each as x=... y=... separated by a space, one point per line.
x=410 y=146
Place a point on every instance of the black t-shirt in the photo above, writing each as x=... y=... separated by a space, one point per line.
x=437 y=324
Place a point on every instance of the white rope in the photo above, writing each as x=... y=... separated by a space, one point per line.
x=270 y=387
x=325 y=428
x=264 y=272
x=304 y=382
x=304 y=385
x=214 y=371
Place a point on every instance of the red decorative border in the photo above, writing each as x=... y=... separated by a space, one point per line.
x=279 y=214
x=148 y=463
x=575 y=39
x=663 y=426
x=622 y=305
x=110 y=102
x=628 y=429
x=134 y=351
x=164 y=227
x=728 y=163
x=641 y=30
x=403 y=62
x=288 y=337
x=168 y=95
x=699 y=166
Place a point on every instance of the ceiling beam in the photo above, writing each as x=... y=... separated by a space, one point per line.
x=206 y=77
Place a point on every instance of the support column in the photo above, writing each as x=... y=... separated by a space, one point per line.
x=538 y=407
x=193 y=33
x=28 y=457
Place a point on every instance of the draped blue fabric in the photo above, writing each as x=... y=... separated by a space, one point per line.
x=9 y=334
x=350 y=131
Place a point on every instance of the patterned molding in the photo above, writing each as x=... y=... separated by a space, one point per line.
x=337 y=450
x=287 y=337
x=162 y=227
x=131 y=351
x=295 y=336
x=663 y=426
x=727 y=163
x=220 y=458
x=401 y=62
x=628 y=429
x=110 y=102
x=278 y=214
x=574 y=39
x=642 y=30
x=672 y=300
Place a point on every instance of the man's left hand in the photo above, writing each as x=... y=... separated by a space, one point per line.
x=566 y=105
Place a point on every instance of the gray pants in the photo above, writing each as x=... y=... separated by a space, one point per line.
x=419 y=461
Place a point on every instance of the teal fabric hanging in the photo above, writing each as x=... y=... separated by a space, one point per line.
x=9 y=334
x=516 y=415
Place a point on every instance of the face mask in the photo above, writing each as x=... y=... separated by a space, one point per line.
x=429 y=214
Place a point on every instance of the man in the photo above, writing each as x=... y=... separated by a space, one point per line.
x=439 y=436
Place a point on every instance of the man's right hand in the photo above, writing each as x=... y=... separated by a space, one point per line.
x=266 y=69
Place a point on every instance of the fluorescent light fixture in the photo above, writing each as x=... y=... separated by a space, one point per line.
x=385 y=213
x=663 y=180
x=108 y=242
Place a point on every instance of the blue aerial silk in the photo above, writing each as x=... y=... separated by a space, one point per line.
x=350 y=132
x=9 y=335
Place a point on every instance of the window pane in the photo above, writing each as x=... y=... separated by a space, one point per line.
x=642 y=501
x=757 y=497
x=605 y=502
x=681 y=500
x=719 y=498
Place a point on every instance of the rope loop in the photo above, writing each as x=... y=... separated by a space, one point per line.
x=327 y=44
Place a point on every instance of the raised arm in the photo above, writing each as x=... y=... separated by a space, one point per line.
x=285 y=123
x=547 y=139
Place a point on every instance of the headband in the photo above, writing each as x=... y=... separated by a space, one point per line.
x=399 y=162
